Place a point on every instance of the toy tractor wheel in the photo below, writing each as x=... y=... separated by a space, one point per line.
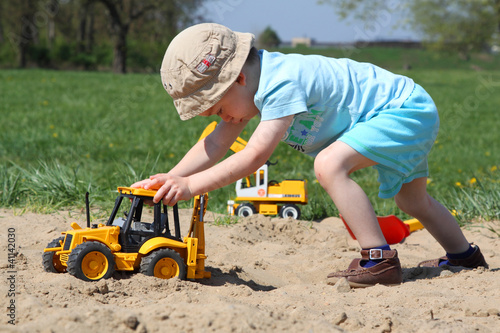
x=246 y=209
x=290 y=210
x=52 y=261
x=91 y=261
x=164 y=264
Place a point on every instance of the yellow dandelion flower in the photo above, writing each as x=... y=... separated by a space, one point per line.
x=52 y=127
x=487 y=153
x=171 y=155
x=459 y=170
x=87 y=155
x=55 y=135
x=494 y=168
x=473 y=180
x=45 y=103
x=459 y=184
x=111 y=145
x=429 y=181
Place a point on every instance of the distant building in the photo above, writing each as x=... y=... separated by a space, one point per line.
x=301 y=41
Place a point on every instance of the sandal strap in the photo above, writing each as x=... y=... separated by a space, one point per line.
x=375 y=254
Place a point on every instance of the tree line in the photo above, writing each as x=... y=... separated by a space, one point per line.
x=82 y=33
x=120 y=34
x=460 y=26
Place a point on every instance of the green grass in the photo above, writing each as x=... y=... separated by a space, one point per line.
x=65 y=133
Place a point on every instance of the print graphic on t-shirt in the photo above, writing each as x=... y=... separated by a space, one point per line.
x=302 y=132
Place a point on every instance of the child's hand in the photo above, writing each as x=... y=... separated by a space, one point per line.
x=143 y=183
x=170 y=188
x=152 y=183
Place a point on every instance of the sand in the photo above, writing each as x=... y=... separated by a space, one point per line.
x=268 y=275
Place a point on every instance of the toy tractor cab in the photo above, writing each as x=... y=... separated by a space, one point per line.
x=135 y=227
x=137 y=240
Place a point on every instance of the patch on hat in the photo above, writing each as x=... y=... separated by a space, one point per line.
x=167 y=87
x=206 y=63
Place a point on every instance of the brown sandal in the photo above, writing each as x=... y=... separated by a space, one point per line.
x=387 y=272
x=475 y=260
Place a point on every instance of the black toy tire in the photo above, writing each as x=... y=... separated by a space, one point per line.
x=91 y=261
x=51 y=262
x=164 y=264
x=245 y=210
x=290 y=210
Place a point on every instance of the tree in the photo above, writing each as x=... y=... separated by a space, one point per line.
x=25 y=21
x=1 y=24
x=51 y=11
x=86 y=27
x=269 y=38
x=23 y=32
x=456 y=25
x=171 y=14
x=453 y=25
x=122 y=13
x=74 y=27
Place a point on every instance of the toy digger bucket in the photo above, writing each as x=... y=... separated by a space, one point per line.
x=394 y=230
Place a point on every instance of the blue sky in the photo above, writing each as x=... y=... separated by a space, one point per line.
x=298 y=18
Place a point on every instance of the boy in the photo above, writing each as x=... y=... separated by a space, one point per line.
x=348 y=115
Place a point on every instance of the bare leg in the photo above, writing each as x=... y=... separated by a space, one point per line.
x=414 y=200
x=333 y=165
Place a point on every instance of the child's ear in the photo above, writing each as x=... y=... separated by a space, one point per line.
x=242 y=79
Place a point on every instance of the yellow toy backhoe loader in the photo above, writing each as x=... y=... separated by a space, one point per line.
x=134 y=241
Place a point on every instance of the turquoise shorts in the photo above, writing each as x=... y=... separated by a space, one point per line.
x=399 y=140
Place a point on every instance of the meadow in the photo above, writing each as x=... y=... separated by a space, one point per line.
x=63 y=133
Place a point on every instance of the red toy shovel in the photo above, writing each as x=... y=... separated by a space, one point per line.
x=393 y=228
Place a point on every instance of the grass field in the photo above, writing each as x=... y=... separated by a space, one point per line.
x=63 y=133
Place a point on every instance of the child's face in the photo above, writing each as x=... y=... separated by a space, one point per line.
x=236 y=105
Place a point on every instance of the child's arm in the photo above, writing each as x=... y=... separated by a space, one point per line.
x=210 y=150
x=204 y=154
x=180 y=185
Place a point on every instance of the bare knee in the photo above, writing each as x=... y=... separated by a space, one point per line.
x=326 y=167
x=337 y=162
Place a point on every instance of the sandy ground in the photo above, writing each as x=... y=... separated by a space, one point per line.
x=268 y=275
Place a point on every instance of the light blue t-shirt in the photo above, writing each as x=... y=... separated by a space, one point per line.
x=328 y=96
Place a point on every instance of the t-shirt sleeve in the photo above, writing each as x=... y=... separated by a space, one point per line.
x=283 y=99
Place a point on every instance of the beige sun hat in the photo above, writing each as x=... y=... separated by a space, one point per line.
x=200 y=65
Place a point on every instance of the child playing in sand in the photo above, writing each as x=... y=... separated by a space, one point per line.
x=348 y=115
